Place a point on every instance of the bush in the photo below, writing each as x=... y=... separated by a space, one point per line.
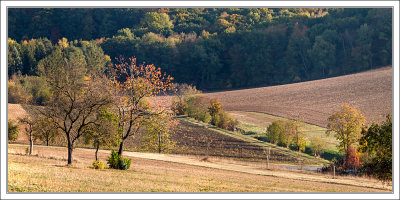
x=13 y=130
x=124 y=163
x=179 y=107
x=113 y=160
x=98 y=165
x=225 y=121
x=197 y=107
x=116 y=162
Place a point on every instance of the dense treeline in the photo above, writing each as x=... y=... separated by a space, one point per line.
x=213 y=48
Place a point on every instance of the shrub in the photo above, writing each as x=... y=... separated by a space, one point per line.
x=225 y=121
x=116 y=162
x=124 y=163
x=179 y=107
x=113 y=160
x=98 y=165
x=13 y=130
x=214 y=109
x=197 y=107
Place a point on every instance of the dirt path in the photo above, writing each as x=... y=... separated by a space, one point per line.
x=364 y=182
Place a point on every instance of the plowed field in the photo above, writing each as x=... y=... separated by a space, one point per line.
x=314 y=101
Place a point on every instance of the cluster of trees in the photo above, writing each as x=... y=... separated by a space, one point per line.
x=85 y=103
x=285 y=133
x=366 y=149
x=224 y=48
x=191 y=102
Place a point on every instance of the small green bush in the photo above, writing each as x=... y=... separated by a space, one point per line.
x=116 y=162
x=98 y=165
x=124 y=163
x=113 y=160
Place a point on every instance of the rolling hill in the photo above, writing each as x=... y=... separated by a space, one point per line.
x=314 y=101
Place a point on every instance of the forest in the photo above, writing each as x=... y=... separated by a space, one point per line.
x=211 y=48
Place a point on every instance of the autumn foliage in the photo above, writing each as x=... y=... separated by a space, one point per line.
x=131 y=85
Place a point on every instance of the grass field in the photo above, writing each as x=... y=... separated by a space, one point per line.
x=46 y=171
x=255 y=124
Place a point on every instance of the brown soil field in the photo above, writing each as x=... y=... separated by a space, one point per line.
x=314 y=101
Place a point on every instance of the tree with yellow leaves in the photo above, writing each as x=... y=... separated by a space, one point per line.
x=346 y=124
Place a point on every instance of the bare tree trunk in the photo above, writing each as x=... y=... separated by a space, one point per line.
x=30 y=145
x=97 y=149
x=121 y=146
x=70 y=148
x=159 y=142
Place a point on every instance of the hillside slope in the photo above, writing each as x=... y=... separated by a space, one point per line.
x=314 y=101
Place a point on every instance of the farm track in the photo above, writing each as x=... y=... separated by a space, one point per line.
x=195 y=161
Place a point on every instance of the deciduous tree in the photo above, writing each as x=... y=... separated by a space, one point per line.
x=131 y=84
x=29 y=123
x=346 y=125
x=104 y=132
x=275 y=131
x=77 y=96
x=45 y=130
x=377 y=141
x=158 y=130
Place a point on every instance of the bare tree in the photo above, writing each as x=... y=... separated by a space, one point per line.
x=77 y=95
x=29 y=122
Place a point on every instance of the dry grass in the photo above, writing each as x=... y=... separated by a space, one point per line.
x=47 y=172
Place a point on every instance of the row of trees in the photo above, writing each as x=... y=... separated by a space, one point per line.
x=233 y=48
x=89 y=23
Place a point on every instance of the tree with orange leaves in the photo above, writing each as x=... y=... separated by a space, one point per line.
x=131 y=85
